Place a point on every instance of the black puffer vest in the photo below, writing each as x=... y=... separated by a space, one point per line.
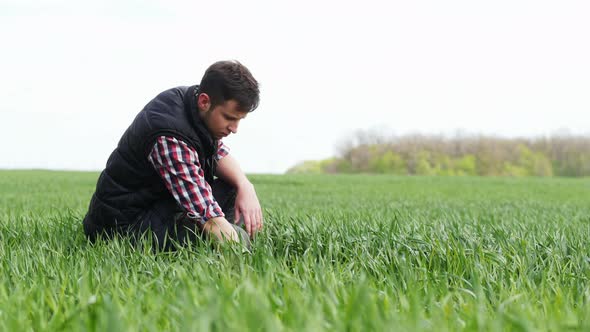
x=129 y=184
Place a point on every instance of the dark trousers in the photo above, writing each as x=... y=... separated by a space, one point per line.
x=167 y=223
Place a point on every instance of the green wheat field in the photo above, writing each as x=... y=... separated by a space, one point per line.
x=344 y=253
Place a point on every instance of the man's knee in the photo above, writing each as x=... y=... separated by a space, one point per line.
x=167 y=229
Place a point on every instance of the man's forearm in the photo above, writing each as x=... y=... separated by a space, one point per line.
x=247 y=207
x=229 y=170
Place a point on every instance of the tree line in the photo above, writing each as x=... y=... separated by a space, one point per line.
x=368 y=152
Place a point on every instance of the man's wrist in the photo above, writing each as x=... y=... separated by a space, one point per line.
x=244 y=183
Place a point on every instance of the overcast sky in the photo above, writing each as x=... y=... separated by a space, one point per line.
x=73 y=74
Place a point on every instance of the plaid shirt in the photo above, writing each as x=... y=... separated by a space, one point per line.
x=179 y=167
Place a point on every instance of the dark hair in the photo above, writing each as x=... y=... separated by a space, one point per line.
x=230 y=80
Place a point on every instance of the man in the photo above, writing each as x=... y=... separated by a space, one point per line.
x=160 y=180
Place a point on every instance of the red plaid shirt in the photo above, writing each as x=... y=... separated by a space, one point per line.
x=178 y=165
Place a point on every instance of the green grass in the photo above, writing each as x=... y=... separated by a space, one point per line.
x=352 y=253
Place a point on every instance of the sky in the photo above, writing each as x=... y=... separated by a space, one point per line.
x=73 y=74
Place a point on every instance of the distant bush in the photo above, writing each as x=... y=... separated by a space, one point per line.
x=367 y=152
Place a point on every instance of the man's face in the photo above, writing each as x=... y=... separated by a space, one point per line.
x=223 y=119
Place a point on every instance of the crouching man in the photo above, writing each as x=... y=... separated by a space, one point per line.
x=171 y=176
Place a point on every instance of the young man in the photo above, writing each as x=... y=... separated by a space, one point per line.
x=161 y=180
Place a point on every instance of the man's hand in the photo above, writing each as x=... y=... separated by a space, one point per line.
x=248 y=207
x=221 y=229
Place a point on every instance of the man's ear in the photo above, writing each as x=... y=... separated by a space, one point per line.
x=203 y=102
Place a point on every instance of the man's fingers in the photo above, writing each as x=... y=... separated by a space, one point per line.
x=255 y=222
x=260 y=220
x=236 y=215
x=248 y=223
x=256 y=217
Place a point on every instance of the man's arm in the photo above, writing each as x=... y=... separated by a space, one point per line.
x=247 y=205
x=178 y=166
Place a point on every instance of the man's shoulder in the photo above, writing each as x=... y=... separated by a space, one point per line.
x=167 y=100
x=178 y=91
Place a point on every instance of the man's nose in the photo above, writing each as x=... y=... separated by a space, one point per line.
x=233 y=127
